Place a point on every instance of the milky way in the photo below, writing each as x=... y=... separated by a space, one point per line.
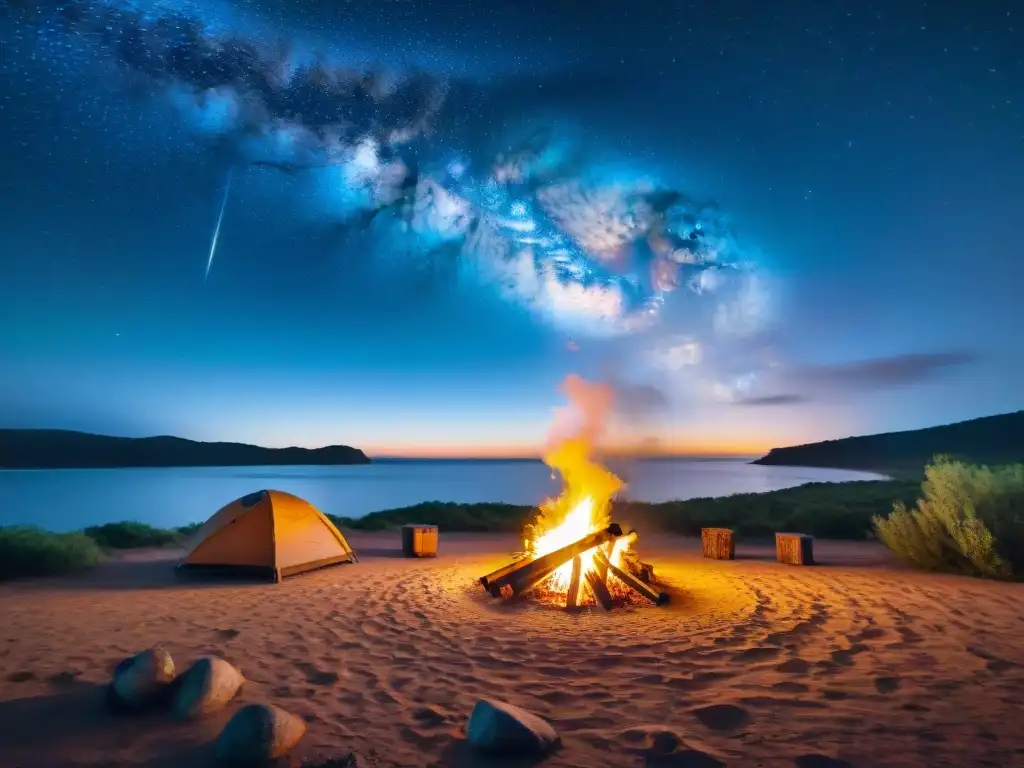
x=593 y=250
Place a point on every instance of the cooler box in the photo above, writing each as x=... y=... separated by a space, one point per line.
x=419 y=540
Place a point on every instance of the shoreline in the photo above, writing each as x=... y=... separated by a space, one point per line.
x=842 y=511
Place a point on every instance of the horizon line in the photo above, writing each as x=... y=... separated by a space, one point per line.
x=451 y=452
x=612 y=456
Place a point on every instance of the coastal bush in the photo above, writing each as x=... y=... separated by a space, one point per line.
x=970 y=520
x=133 y=535
x=27 y=551
x=186 y=531
x=447 y=516
x=826 y=510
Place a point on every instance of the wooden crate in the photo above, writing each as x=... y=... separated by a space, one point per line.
x=794 y=548
x=419 y=540
x=718 y=543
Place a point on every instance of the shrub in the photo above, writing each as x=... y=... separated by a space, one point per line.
x=186 y=531
x=132 y=535
x=447 y=516
x=970 y=520
x=827 y=510
x=26 y=551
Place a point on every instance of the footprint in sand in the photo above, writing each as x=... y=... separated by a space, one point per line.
x=430 y=716
x=64 y=679
x=723 y=717
x=820 y=761
x=834 y=694
x=556 y=697
x=908 y=635
x=227 y=634
x=399 y=683
x=763 y=653
x=21 y=677
x=845 y=658
x=992 y=662
x=316 y=676
x=887 y=684
x=795 y=666
x=789 y=687
x=869 y=633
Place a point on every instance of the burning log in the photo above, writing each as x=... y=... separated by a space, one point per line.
x=631 y=581
x=526 y=574
x=572 y=598
x=600 y=588
x=590 y=560
x=498 y=574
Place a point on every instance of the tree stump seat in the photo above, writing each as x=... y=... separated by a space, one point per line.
x=794 y=548
x=718 y=543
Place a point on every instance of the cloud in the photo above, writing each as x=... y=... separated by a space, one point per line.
x=882 y=372
x=773 y=400
x=801 y=384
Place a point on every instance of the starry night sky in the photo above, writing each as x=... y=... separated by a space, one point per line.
x=763 y=223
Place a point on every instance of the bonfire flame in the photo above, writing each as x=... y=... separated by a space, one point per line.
x=583 y=507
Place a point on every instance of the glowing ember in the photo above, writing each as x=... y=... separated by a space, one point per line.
x=574 y=555
x=583 y=507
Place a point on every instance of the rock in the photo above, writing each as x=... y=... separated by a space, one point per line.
x=662 y=747
x=207 y=686
x=141 y=681
x=259 y=732
x=498 y=727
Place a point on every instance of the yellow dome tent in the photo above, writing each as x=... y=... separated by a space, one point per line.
x=269 y=532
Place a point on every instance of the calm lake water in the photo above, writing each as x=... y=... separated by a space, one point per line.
x=62 y=500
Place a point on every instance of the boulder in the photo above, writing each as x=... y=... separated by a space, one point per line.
x=259 y=732
x=205 y=687
x=141 y=681
x=502 y=728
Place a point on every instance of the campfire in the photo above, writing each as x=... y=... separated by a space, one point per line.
x=574 y=555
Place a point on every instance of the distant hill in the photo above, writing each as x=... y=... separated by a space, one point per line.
x=989 y=440
x=64 y=449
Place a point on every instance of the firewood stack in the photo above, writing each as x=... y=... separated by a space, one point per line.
x=522 y=576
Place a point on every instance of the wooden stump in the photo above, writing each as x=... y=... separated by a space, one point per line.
x=794 y=548
x=718 y=543
x=419 y=540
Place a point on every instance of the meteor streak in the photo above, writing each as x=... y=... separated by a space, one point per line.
x=220 y=218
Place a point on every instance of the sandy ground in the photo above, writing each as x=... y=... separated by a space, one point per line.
x=754 y=663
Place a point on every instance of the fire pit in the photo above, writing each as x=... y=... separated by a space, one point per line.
x=574 y=556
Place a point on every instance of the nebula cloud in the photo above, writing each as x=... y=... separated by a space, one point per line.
x=593 y=251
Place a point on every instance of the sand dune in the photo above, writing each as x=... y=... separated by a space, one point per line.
x=754 y=663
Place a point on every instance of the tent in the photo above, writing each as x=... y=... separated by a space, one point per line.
x=267 y=532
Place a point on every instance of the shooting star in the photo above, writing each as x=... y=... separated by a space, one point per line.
x=220 y=218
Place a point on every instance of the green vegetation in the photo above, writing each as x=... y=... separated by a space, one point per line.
x=448 y=516
x=133 y=535
x=26 y=551
x=828 y=510
x=970 y=520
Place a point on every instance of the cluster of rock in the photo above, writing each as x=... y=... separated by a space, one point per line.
x=263 y=732
x=256 y=732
